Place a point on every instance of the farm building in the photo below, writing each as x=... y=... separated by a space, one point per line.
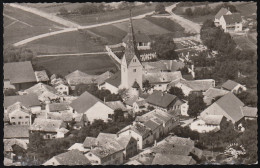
x=221 y=12
x=231 y=23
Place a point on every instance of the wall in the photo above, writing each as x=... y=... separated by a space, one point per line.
x=35 y=109
x=17 y=120
x=109 y=87
x=62 y=89
x=94 y=160
x=8 y=85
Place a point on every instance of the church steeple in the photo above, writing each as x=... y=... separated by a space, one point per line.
x=130 y=49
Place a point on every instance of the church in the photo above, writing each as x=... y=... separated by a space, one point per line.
x=131 y=73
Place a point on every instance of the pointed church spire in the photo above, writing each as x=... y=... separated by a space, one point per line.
x=130 y=49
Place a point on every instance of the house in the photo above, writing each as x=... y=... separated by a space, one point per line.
x=139 y=106
x=140 y=132
x=112 y=84
x=163 y=66
x=80 y=121
x=78 y=77
x=250 y=113
x=44 y=92
x=212 y=93
x=108 y=153
x=133 y=162
x=116 y=105
x=127 y=142
x=41 y=76
x=14 y=147
x=160 y=122
x=70 y=158
x=228 y=106
x=233 y=86
x=221 y=12
x=57 y=107
x=30 y=101
x=231 y=23
x=100 y=79
x=164 y=101
x=48 y=128
x=89 y=143
x=160 y=80
x=80 y=147
x=62 y=88
x=184 y=108
x=18 y=114
x=66 y=117
x=208 y=123
x=195 y=85
x=16 y=132
x=19 y=75
x=92 y=107
x=130 y=101
x=169 y=159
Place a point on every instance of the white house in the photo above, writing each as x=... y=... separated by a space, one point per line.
x=63 y=89
x=112 y=84
x=18 y=114
x=231 y=23
x=221 y=12
x=92 y=107
x=233 y=86
x=184 y=108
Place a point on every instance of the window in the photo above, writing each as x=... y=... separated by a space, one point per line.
x=13 y=123
x=26 y=116
x=134 y=70
x=20 y=117
x=12 y=117
x=19 y=123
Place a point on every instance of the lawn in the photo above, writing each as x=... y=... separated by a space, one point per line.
x=247 y=9
x=70 y=42
x=110 y=15
x=29 y=25
x=245 y=42
x=91 y=64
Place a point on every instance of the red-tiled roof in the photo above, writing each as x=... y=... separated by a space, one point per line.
x=19 y=72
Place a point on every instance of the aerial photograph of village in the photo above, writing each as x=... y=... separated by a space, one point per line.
x=130 y=83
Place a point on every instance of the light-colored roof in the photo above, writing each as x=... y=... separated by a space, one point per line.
x=151 y=124
x=179 y=141
x=116 y=105
x=84 y=102
x=162 y=77
x=47 y=125
x=141 y=103
x=233 y=18
x=17 y=106
x=89 y=141
x=133 y=162
x=139 y=37
x=163 y=65
x=213 y=119
x=221 y=12
x=166 y=148
x=231 y=105
x=40 y=89
x=169 y=159
x=229 y=85
x=55 y=107
x=28 y=100
x=63 y=130
x=214 y=92
x=131 y=100
x=73 y=157
x=16 y=131
x=115 y=80
x=249 y=111
x=78 y=146
x=101 y=78
x=158 y=98
x=65 y=116
x=19 y=72
x=8 y=143
x=139 y=128
x=41 y=76
x=156 y=116
x=198 y=85
x=78 y=77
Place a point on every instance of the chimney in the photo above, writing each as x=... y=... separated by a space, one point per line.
x=170 y=65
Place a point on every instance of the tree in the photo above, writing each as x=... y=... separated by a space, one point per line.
x=118 y=115
x=250 y=99
x=9 y=92
x=177 y=92
x=188 y=12
x=63 y=11
x=196 y=104
x=160 y=8
x=146 y=85
x=36 y=142
x=14 y=54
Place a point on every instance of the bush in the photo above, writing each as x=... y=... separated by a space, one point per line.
x=160 y=8
x=188 y=12
x=63 y=11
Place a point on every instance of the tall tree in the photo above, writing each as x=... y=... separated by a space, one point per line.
x=177 y=92
x=196 y=104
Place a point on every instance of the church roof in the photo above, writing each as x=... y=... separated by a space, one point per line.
x=130 y=49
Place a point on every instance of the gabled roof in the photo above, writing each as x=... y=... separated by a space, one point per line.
x=78 y=77
x=161 y=99
x=19 y=72
x=78 y=146
x=151 y=124
x=41 y=76
x=221 y=12
x=65 y=116
x=162 y=77
x=169 y=159
x=89 y=142
x=179 y=141
x=131 y=100
x=214 y=92
x=76 y=74
x=213 y=119
x=231 y=105
x=73 y=157
x=233 y=18
x=47 y=125
x=139 y=37
x=8 y=144
x=16 y=131
x=156 y=116
x=101 y=78
x=166 y=148
x=229 y=85
x=17 y=106
x=198 y=85
x=28 y=100
x=84 y=102
x=40 y=88
x=115 y=80
x=116 y=105
x=249 y=111
x=133 y=162
x=55 y=107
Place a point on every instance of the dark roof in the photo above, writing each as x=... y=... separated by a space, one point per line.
x=101 y=78
x=19 y=72
x=16 y=131
x=249 y=111
x=151 y=124
x=139 y=37
x=161 y=99
x=169 y=159
x=73 y=157
x=214 y=92
x=28 y=100
x=116 y=105
x=231 y=105
x=229 y=85
x=89 y=141
x=167 y=148
x=53 y=107
x=41 y=76
x=233 y=18
x=115 y=80
x=221 y=12
x=84 y=102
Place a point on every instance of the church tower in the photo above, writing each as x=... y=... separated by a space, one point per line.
x=131 y=67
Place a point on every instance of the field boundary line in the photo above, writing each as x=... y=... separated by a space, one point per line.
x=10 y=17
